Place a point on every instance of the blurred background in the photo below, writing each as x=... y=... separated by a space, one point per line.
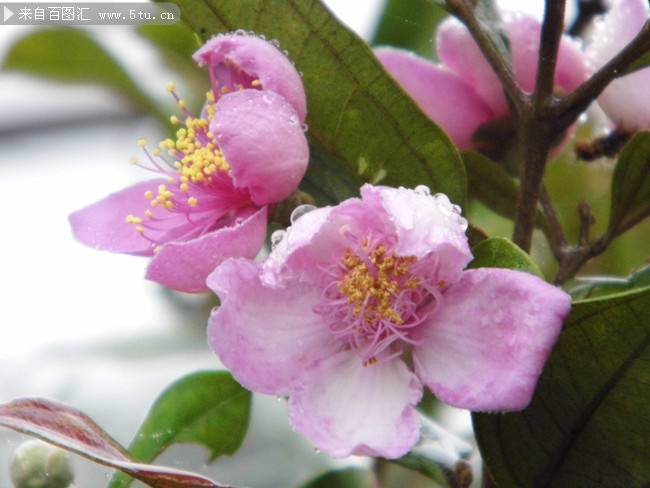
x=83 y=326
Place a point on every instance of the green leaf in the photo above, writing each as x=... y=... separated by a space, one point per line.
x=409 y=24
x=328 y=180
x=593 y=286
x=342 y=478
x=73 y=56
x=631 y=182
x=498 y=252
x=587 y=424
x=490 y=183
x=356 y=111
x=207 y=408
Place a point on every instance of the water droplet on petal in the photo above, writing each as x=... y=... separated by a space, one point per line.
x=423 y=190
x=462 y=223
x=277 y=237
x=456 y=209
x=241 y=32
x=301 y=210
x=305 y=127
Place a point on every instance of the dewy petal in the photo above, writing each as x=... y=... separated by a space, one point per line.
x=265 y=336
x=426 y=224
x=625 y=100
x=103 y=225
x=441 y=94
x=345 y=408
x=458 y=51
x=184 y=266
x=262 y=139
x=488 y=340
x=318 y=239
x=260 y=60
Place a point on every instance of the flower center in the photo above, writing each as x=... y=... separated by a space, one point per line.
x=374 y=299
x=199 y=183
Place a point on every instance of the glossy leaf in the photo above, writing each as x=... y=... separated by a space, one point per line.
x=356 y=111
x=409 y=24
x=631 y=182
x=73 y=56
x=586 y=426
x=74 y=431
x=498 y=252
x=342 y=478
x=208 y=408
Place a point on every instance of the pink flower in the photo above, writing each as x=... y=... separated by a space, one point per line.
x=462 y=92
x=246 y=151
x=625 y=100
x=361 y=304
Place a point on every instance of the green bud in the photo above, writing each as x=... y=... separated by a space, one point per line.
x=39 y=465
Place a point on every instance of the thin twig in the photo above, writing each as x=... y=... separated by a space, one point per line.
x=554 y=230
x=548 y=51
x=586 y=221
x=576 y=257
x=464 y=10
x=569 y=108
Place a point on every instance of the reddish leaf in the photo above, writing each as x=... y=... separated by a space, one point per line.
x=70 y=429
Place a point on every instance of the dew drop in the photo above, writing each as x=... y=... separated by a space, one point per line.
x=456 y=209
x=423 y=190
x=316 y=450
x=277 y=237
x=241 y=32
x=305 y=127
x=301 y=210
x=293 y=120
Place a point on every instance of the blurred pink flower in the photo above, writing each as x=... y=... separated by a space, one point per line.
x=360 y=304
x=462 y=92
x=247 y=150
x=626 y=99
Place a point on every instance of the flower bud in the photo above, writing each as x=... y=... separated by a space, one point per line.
x=39 y=465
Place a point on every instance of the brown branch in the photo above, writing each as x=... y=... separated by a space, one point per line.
x=554 y=231
x=464 y=11
x=578 y=256
x=569 y=108
x=549 y=45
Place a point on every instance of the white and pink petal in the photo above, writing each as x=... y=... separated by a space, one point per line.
x=266 y=336
x=486 y=344
x=344 y=407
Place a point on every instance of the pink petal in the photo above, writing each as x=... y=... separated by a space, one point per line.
x=258 y=59
x=263 y=140
x=184 y=266
x=102 y=225
x=344 y=407
x=487 y=343
x=265 y=336
x=524 y=32
x=426 y=224
x=625 y=100
x=458 y=52
x=441 y=94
